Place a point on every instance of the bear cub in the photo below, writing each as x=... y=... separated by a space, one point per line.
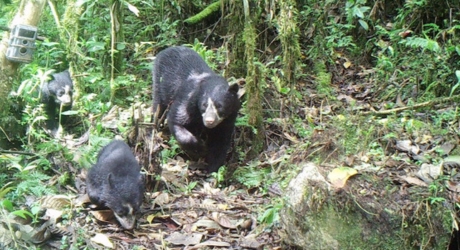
x=202 y=106
x=54 y=94
x=115 y=182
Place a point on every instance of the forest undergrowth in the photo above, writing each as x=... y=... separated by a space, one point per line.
x=366 y=89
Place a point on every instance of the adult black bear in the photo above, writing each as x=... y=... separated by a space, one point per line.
x=202 y=106
x=54 y=94
x=115 y=182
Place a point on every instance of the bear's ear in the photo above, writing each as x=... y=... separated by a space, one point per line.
x=233 y=88
x=66 y=72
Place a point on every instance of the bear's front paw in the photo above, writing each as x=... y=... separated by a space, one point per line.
x=195 y=150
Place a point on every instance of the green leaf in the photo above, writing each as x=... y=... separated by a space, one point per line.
x=7 y=205
x=22 y=213
x=95 y=46
x=285 y=90
x=364 y=9
x=121 y=46
x=268 y=216
x=35 y=210
x=357 y=12
x=5 y=189
x=423 y=43
x=192 y=185
x=363 y=24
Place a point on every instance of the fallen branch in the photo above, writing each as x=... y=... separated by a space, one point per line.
x=204 y=13
x=415 y=106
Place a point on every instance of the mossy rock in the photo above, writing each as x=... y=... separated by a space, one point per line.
x=371 y=211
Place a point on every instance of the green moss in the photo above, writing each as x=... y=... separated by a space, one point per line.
x=323 y=79
x=204 y=13
x=289 y=36
x=355 y=219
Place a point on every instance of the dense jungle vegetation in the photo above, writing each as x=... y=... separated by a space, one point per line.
x=346 y=139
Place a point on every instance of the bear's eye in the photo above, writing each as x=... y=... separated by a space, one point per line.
x=60 y=93
x=121 y=210
x=218 y=106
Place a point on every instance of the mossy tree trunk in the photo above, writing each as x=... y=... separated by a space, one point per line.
x=288 y=34
x=118 y=38
x=289 y=37
x=254 y=80
x=116 y=16
x=235 y=38
x=69 y=36
x=242 y=44
x=29 y=13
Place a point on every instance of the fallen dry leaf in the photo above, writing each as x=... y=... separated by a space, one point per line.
x=103 y=215
x=162 y=199
x=247 y=224
x=251 y=242
x=407 y=146
x=447 y=148
x=207 y=189
x=211 y=243
x=82 y=199
x=208 y=224
x=53 y=215
x=55 y=201
x=453 y=186
x=413 y=181
x=429 y=172
x=103 y=239
x=452 y=161
x=223 y=220
x=177 y=238
x=347 y=64
x=339 y=176
x=150 y=218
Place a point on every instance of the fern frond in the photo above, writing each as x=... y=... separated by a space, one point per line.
x=422 y=43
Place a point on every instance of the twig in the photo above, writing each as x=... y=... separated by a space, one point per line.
x=415 y=106
x=15 y=152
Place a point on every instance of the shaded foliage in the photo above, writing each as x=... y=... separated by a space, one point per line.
x=307 y=68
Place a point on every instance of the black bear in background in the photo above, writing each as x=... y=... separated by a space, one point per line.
x=54 y=94
x=202 y=106
x=115 y=182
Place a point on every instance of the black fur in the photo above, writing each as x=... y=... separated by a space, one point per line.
x=115 y=182
x=58 y=91
x=183 y=81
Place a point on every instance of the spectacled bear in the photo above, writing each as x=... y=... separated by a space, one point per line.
x=54 y=94
x=115 y=182
x=202 y=106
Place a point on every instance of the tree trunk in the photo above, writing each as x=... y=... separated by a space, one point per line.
x=289 y=37
x=117 y=37
x=254 y=80
x=29 y=13
x=69 y=35
x=116 y=67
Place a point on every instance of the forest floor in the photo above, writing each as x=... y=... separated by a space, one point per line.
x=189 y=209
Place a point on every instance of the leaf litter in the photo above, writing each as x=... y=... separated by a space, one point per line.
x=192 y=212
